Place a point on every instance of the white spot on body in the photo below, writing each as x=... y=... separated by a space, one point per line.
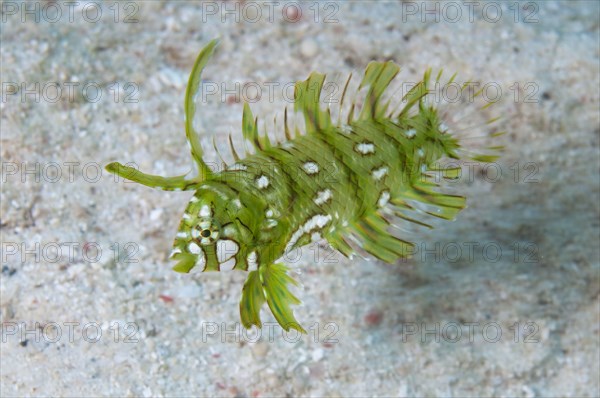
x=315 y=237
x=310 y=168
x=200 y=261
x=420 y=152
x=205 y=211
x=262 y=182
x=252 y=261
x=226 y=249
x=182 y=234
x=295 y=236
x=194 y=199
x=271 y=223
x=411 y=133
x=443 y=128
x=383 y=199
x=322 y=197
x=227 y=265
x=365 y=148
x=379 y=173
x=175 y=251
x=237 y=203
x=269 y=213
x=194 y=248
x=316 y=222
x=186 y=216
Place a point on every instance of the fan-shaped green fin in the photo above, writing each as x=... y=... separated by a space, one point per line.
x=250 y=130
x=307 y=94
x=274 y=280
x=403 y=216
x=446 y=206
x=340 y=244
x=377 y=241
x=414 y=95
x=378 y=77
x=252 y=300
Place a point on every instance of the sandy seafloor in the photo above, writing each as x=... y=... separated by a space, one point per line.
x=527 y=306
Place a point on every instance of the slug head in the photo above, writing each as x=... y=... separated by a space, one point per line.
x=210 y=233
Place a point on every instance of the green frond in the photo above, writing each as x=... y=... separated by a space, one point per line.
x=413 y=96
x=274 y=280
x=250 y=130
x=185 y=262
x=378 y=77
x=252 y=301
x=178 y=183
x=306 y=100
x=377 y=241
x=193 y=88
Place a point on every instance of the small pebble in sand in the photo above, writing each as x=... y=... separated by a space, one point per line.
x=309 y=48
x=373 y=317
x=292 y=13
